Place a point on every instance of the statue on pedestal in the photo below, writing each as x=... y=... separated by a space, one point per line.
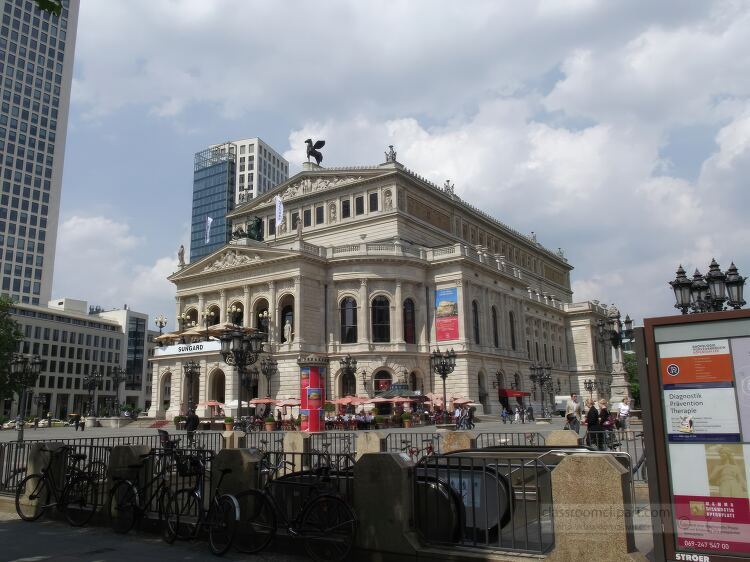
x=181 y=256
x=288 y=336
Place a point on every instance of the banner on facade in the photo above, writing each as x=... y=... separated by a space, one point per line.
x=446 y=314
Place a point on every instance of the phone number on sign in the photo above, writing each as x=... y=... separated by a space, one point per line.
x=706 y=545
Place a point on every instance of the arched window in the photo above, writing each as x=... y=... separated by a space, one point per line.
x=382 y=381
x=536 y=346
x=348 y=320
x=348 y=385
x=410 y=335
x=512 y=321
x=381 y=319
x=495 y=338
x=475 y=319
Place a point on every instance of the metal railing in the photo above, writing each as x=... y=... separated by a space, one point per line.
x=625 y=441
x=263 y=440
x=417 y=442
x=500 y=439
x=335 y=442
x=491 y=501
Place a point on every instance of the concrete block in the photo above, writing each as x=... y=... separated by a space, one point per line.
x=123 y=456
x=562 y=438
x=230 y=439
x=297 y=442
x=245 y=469
x=458 y=441
x=591 y=499
x=370 y=442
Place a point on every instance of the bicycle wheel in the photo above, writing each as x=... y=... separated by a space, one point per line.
x=123 y=507
x=80 y=500
x=257 y=525
x=166 y=506
x=328 y=526
x=98 y=470
x=346 y=462
x=184 y=514
x=222 y=521
x=32 y=496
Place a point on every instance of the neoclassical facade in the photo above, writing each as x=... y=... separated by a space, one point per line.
x=355 y=268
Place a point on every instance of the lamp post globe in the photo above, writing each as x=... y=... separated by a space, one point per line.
x=443 y=365
x=241 y=350
x=160 y=322
x=710 y=292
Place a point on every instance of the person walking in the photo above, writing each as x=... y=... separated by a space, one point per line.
x=530 y=413
x=593 y=429
x=504 y=415
x=82 y=423
x=517 y=414
x=77 y=422
x=191 y=424
x=522 y=408
x=573 y=413
x=623 y=414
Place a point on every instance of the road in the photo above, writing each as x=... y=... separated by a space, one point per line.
x=56 y=541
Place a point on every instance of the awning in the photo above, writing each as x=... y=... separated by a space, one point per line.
x=510 y=393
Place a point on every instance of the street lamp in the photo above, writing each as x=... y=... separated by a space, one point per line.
x=264 y=318
x=541 y=375
x=191 y=369
x=232 y=313
x=23 y=374
x=160 y=322
x=41 y=404
x=589 y=385
x=118 y=375
x=247 y=379
x=268 y=368
x=184 y=321
x=91 y=383
x=442 y=364
x=349 y=368
x=710 y=292
x=241 y=350
x=208 y=316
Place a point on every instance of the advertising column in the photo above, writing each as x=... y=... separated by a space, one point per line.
x=313 y=371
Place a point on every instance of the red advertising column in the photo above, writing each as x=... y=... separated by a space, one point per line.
x=313 y=371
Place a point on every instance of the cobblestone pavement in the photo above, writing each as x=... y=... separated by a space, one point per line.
x=54 y=541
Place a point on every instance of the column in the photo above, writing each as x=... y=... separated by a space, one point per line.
x=297 y=325
x=398 y=317
x=178 y=311
x=332 y=314
x=273 y=310
x=222 y=306
x=246 y=312
x=201 y=306
x=424 y=309
x=464 y=308
x=363 y=318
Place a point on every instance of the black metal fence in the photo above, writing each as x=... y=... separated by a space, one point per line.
x=336 y=442
x=510 y=439
x=415 y=444
x=625 y=441
x=263 y=440
x=492 y=501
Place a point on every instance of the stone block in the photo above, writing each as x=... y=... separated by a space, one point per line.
x=245 y=469
x=561 y=438
x=230 y=439
x=370 y=442
x=384 y=504
x=122 y=457
x=296 y=443
x=458 y=441
x=591 y=499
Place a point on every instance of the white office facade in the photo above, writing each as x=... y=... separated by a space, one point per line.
x=36 y=70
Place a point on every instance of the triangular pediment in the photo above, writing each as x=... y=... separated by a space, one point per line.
x=239 y=254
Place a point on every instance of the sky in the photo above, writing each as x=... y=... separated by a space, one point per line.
x=618 y=131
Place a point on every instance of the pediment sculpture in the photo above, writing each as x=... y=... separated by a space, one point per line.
x=308 y=185
x=230 y=259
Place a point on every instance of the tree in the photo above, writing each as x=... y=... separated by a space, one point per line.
x=52 y=6
x=10 y=335
x=631 y=368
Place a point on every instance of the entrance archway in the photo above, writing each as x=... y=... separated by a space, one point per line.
x=217 y=389
x=382 y=381
x=348 y=385
x=166 y=390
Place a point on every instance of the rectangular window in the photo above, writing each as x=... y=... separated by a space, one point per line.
x=272 y=226
x=346 y=209
x=373 y=202
x=295 y=220
x=307 y=217
x=359 y=205
x=319 y=213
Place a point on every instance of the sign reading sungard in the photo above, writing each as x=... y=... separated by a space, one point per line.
x=185 y=348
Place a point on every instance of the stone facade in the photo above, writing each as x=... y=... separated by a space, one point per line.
x=358 y=276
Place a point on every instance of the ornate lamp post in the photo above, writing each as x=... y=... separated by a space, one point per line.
x=118 y=375
x=241 y=350
x=541 y=375
x=160 y=322
x=710 y=292
x=184 y=321
x=247 y=379
x=264 y=319
x=613 y=331
x=442 y=364
x=349 y=368
x=268 y=368
x=191 y=369
x=91 y=383
x=233 y=312
x=589 y=385
x=23 y=374
x=207 y=319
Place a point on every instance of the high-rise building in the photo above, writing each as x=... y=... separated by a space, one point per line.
x=36 y=64
x=226 y=175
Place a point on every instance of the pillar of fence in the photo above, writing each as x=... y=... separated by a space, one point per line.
x=384 y=504
x=229 y=439
x=297 y=442
x=370 y=442
x=562 y=438
x=458 y=441
x=122 y=457
x=244 y=466
x=593 y=509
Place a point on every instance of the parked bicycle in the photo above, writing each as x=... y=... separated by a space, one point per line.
x=273 y=462
x=129 y=501
x=342 y=461
x=319 y=515
x=427 y=450
x=186 y=514
x=77 y=496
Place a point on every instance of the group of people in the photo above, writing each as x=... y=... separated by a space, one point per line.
x=600 y=422
x=364 y=420
x=463 y=417
x=518 y=414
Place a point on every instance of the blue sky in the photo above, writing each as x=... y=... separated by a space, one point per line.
x=617 y=130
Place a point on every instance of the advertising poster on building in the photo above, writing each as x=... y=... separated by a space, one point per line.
x=741 y=360
x=700 y=363
x=711 y=507
x=446 y=314
x=701 y=414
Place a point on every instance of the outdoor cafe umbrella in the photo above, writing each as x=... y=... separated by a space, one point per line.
x=221 y=329
x=266 y=400
x=289 y=402
x=233 y=403
x=461 y=401
x=378 y=400
x=169 y=336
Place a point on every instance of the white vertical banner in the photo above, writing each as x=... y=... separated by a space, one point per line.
x=279 y=210
x=209 y=220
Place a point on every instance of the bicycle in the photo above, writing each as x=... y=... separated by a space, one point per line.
x=415 y=452
x=186 y=514
x=273 y=462
x=343 y=461
x=324 y=521
x=129 y=501
x=77 y=498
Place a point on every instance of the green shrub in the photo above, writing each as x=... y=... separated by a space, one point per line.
x=270 y=419
x=406 y=416
x=380 y=419
x=328 y=407
x=229 y=419
x=178 y=419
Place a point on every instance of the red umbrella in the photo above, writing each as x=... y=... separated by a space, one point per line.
x=401 y=400
x=460 y=401
x=265 y=400
x=289 y=402
x=379 y=400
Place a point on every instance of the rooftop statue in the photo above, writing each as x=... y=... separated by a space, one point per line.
x=312 y=150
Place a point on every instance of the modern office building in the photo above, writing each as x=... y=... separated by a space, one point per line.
x=73 y=341
x=224 y=176
x=36 y=69
x=388 y=268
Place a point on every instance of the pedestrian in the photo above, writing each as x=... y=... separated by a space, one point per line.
x=471 y=417
x=504 y=415
x=573 y=413
x=191 y=424
x=593 y=427
x=82 y=423
x=517 y=414
x=36 y=423
x=624 y=414
x=523 y=413
x=76 y=421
